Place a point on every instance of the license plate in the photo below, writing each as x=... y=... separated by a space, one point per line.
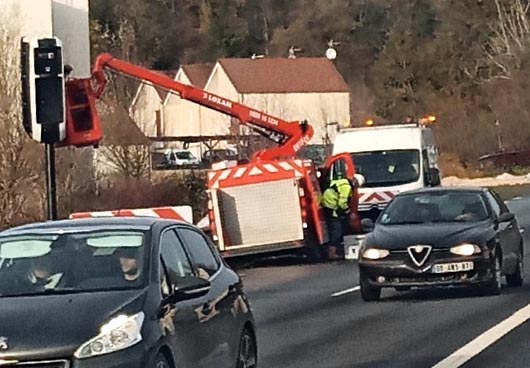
x=452 y=267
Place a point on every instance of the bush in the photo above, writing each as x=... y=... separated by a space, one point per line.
x=120 y=193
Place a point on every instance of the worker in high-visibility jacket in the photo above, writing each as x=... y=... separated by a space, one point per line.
x=336 y=202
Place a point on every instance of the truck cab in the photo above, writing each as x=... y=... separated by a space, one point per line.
x=392 y=159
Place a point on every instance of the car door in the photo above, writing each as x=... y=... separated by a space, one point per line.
x=508 y=233
x=216 y=313
x=179 y=319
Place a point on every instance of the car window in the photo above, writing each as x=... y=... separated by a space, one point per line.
x=498 y=199
x=438 y=206
x=205 y=262
x=494 y=204
x=175 y=261
x=73 y=261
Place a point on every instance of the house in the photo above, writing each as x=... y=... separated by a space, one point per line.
x=294 y=89
x=159 y=113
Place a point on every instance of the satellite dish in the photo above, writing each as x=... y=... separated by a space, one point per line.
x=331 y=54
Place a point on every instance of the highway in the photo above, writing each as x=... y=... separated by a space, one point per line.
x=313 y=316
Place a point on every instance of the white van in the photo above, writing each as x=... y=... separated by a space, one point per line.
x=392 y=159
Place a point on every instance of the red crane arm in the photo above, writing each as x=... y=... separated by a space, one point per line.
x=290 y=136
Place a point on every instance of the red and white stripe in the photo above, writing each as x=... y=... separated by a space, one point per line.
x=183 y=213
x=376 y=197
x=258 y=171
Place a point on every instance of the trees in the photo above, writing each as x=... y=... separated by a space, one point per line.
x=411 y=57
x=21 y=193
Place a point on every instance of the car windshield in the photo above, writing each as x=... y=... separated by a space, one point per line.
x=425 y=207
x=185 y=155
x=386 y=168
x=71 y=262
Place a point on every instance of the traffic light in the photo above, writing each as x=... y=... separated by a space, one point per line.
x=43 y=92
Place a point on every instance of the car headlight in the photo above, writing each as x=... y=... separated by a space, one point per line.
x=118 y=334
x=465 y=249
x=375 y=253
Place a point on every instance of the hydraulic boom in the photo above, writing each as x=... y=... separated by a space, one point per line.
x=290 y=136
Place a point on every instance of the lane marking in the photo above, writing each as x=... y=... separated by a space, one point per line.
x=517 y=198
x=489 y=337
x=347 y=291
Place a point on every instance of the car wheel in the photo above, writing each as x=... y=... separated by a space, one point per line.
x=161 y=361
x=247 y=356
x=516 y=279
x=369 y=293
x=494 y=286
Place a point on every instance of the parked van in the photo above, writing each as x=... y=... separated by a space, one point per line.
x=392 y=159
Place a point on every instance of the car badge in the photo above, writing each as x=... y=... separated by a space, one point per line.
x=3 y=343
x=419 y=253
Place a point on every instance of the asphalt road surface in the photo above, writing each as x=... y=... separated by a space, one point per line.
x=313 y=316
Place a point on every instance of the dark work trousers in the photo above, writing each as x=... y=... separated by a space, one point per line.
x=335 y=231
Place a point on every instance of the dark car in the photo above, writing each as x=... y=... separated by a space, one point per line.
x=120 y=292
x=216 y=155
x=442 y=237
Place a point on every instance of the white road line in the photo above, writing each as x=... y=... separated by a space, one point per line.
x=347 y=291
x=479 y=344
x=517 y=198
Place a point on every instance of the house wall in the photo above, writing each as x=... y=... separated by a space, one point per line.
x=143 y=111
x=318 y=109
x=183 y=118
x=218 y=84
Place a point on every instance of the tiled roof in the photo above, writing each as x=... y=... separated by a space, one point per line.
x=198 y=73
x=283 y=75
x=168 y=73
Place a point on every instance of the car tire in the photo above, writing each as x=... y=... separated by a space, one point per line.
x=494 y=286
x=369 y=293
x=516 y=279
x=247 y=355
x=161 y=362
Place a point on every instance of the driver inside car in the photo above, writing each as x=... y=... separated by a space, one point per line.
x=41 y=274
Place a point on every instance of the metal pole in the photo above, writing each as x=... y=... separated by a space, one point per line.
x=51 y=189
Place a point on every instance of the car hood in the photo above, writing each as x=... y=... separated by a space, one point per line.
x=54 y=326
x=438 y=235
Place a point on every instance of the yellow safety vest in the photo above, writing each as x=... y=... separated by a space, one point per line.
x=337 y=196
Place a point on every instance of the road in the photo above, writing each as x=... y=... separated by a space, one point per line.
x=313 y=316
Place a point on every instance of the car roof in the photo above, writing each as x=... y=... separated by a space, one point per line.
x=86 y=224
x=445 y=190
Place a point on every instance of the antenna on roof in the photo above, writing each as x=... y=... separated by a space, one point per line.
x=331 y=53
x=254 y=56
x=292 y=51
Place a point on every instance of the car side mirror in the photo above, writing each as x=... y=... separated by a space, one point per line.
x=506 y=217
x=432 y=177
x=190 y=287
x=367 y=225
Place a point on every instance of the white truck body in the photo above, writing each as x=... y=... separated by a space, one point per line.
x=392 y=159
x=261 y=206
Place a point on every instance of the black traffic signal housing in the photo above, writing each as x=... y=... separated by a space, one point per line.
x=43 y=89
